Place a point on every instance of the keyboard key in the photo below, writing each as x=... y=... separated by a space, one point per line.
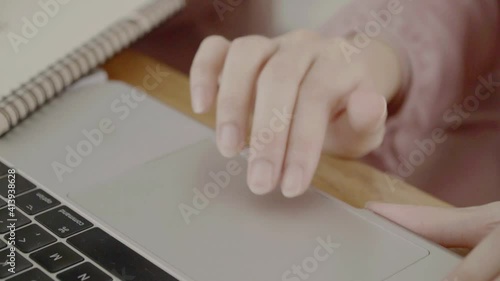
x=115 y=257
x=6 y=268
x=21 y=185
x=8 y=220
x=2 y=244
x=36 y=201
x=32 y=238
x=85 y=271
x=3 y=169
x=2 y=203
x=34 y=274
x=63 y=221
x=56 y=257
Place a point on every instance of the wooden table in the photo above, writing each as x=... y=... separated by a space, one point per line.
x=350 y=181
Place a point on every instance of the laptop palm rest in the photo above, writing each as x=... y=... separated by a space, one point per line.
x=193 y=211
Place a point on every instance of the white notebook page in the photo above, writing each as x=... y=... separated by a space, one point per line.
x=60 y=26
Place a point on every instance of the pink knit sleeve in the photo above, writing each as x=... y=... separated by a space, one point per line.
x=444 y=46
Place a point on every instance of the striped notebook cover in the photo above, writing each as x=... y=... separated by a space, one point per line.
x=20 y=103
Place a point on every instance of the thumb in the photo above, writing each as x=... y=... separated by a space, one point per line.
x=450 y=227
x=360 y=128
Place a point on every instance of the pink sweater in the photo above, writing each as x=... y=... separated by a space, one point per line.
x=445 y=135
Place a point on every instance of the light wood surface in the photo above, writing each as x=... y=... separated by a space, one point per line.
x=350 y=181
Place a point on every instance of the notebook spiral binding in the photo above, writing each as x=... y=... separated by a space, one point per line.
x=29 y=97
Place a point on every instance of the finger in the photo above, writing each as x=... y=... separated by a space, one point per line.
x=450 y=227
x=244 y=61
x=298 y=37
x=277 y=90
x=318 y=94
x=497 y=279
x=360 y=129
x=205 y=71
x=483 y=263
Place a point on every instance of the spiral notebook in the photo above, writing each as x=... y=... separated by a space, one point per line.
x=47 y=45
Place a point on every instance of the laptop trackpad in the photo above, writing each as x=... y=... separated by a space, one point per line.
x=192 y=210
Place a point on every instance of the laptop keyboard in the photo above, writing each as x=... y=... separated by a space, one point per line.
x=53 y=242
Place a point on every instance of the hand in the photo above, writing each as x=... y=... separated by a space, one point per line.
x=324 y=100
x=477 y=227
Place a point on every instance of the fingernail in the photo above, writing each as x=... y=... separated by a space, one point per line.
x=260 y=179
x=197 y=100
x=381 y=121
x=368 y=204
x=292 y=184
x=371 y=204
x=229 y=140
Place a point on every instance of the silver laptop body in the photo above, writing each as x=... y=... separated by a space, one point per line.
x=144 y=195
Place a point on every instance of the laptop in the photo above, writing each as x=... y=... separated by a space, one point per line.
x=107 y=183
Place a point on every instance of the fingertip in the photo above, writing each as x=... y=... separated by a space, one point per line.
x=383 y=209
x=229 y=139
x=226 y=153
x=367 y=112
x=260 y=178
x=371 y=205
x=200 y=99
x=258 y=190
x=391 y=211
x=292 y=184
